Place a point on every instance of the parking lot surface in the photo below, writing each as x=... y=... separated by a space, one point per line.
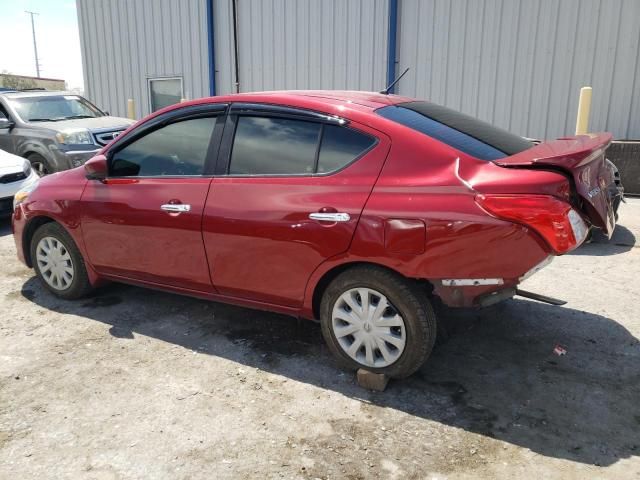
x=134 y=383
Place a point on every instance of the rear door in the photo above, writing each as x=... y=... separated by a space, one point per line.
x=291 y=189
x=144 y=221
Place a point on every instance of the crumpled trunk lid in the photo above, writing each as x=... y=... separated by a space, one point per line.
x=582 y=157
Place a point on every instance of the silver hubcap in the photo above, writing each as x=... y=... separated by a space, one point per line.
x=368 y=328
x=54 y=263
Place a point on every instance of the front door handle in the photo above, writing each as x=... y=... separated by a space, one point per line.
x=330 y=217
x=175 y=207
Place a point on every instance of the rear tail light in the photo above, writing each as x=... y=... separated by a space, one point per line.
x=556 y=221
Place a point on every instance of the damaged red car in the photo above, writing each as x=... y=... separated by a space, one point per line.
x=356 y=209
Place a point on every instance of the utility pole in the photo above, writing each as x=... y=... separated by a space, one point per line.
x=35 y=46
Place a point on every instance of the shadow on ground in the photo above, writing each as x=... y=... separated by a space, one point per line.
x=496 y=376
x=5 y=226
x=621 y=241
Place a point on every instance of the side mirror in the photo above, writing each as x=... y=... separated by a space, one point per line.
x=6 y=124
x=96 y=168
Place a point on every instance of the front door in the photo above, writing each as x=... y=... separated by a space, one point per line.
x=144 y=221
x=291 y=195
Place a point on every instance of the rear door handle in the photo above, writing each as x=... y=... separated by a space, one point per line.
x=330 y=217
x=175 y=207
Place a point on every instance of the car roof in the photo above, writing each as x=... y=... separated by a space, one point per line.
x=335 y=101
x=35 y=93
x=355 y=105
x=367 y=99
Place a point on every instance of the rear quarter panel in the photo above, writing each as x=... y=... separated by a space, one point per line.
x=420 y=182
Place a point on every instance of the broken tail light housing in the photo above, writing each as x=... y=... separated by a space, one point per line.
x=556 y=221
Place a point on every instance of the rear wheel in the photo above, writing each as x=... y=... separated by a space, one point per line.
x=377 y=320
x=58 y=262
x=40 y=164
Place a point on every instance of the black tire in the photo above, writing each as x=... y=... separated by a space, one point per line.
x=409 y=301
x=41 y=165
x=80 y=285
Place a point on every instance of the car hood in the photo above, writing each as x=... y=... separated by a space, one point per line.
x=98 y=123
x=10 y=163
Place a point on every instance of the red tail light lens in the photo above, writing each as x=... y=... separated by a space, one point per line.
x=559 y=224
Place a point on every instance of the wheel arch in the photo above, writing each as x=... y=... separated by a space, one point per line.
x=34 y=148
x=327 y=277
x=29 y=230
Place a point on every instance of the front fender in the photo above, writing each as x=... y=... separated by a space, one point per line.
x=58 y=197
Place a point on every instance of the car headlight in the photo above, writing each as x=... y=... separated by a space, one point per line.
x=22 y=194
x=79 y=136
x=26 y=168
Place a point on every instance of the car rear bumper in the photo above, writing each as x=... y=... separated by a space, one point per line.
x=473 y=295
x=616 y=195
x=482 y=292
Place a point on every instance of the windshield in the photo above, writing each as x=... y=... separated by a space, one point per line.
x=54 y=108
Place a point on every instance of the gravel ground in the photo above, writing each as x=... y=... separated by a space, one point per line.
x=134 y=383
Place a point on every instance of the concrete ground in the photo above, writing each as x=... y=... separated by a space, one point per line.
x=133 y=383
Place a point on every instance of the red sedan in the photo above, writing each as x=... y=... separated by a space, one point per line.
x=357 y=209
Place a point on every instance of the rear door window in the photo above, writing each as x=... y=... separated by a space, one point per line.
x=340 y=146
x=285 y=146
x=462 y=132
x=274 y=146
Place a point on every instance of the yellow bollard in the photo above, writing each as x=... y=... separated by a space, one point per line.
x=131 y=109
x=584 y=106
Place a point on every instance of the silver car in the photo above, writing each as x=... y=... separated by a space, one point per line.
x=54 y=130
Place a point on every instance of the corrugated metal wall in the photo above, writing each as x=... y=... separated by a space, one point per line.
x=520 y=63
x=124 y=43
x=516 y=63
x=303 y=44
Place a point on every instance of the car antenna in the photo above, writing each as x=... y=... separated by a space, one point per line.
x=388 y=89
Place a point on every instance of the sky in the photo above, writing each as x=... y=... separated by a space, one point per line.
x=57 y=37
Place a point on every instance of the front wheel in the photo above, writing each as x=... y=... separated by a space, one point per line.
x=40 y=164
x=58 y=262
x=377 y=320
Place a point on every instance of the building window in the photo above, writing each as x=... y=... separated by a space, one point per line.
x=164 y=92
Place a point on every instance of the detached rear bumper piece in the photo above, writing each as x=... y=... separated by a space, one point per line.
x=473 y=295
x=482 y=292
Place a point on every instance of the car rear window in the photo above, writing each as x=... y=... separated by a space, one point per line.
x=462 y=132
